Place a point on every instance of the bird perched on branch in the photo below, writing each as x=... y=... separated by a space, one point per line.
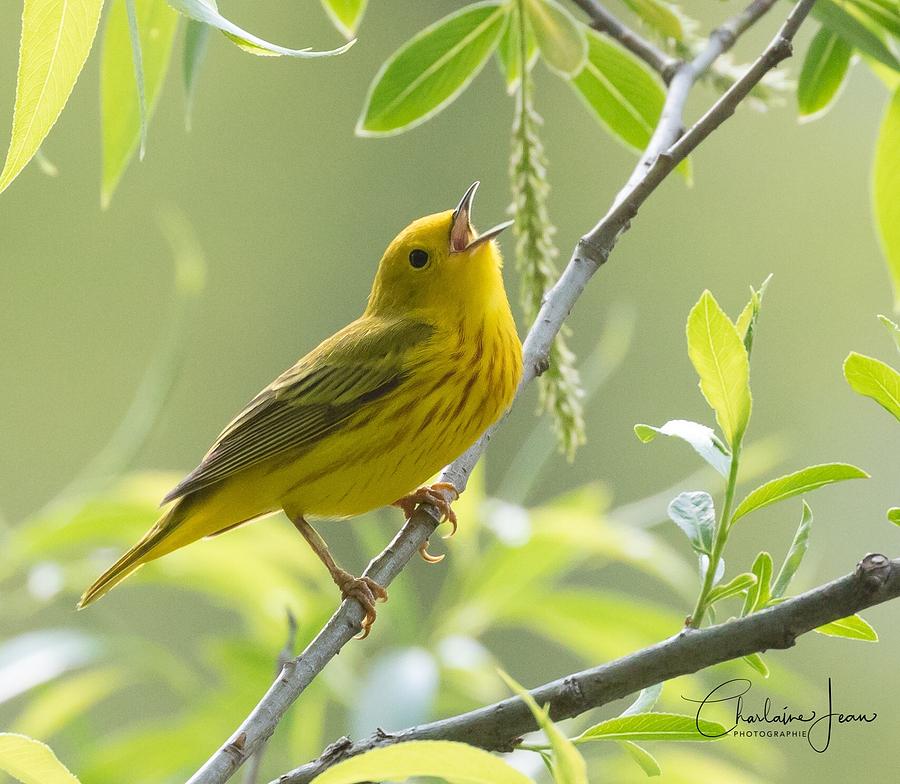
x=370 y=414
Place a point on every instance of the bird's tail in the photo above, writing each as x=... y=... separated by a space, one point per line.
x=158 y=541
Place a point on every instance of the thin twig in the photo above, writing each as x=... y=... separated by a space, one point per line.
x=499 y=727
x=590 y=253
x=606 y=22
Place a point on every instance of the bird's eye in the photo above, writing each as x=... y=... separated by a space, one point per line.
x=418 y=258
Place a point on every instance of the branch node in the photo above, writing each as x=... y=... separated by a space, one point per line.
x=236 y=747
x=335 y=751
x=541 y=364
x=873 y=571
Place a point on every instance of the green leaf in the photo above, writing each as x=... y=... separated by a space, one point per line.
x=847 y=22
x=759 y=594
x=853 y=627
x=743 y=582
x=885 y=13
x=653 y=726
x=702 y=438
x=645 y=701
x=642 y=757
x=449 y=760
x=893 y=515
x=206 y=12
x=893 y=328
x=560 y=39
x=660 y=16
x=875 y=379
x=756 y=661
x=508 y=55
x=795 y=554
x=429 y=71
x=137 y=57
x=694 y=513
x=567 y=764
x=746 y=321
x=56 y=40
x=803 y=481
x=886 y=190
x=31 y=761
x=345 y=15
x=120 y=96
x=196 y=42
x=620 y=91
x=720 y=359
x=824 y=69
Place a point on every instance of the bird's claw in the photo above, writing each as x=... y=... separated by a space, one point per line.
x=433 y=495
x=367 y=592
x=428 y=557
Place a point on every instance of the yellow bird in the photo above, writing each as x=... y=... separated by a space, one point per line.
x=371 y=413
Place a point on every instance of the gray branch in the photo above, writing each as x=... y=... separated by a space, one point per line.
x=499 y=727
x=604 y=21
x=590 y=253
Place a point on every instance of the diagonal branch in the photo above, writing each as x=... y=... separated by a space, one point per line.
x=590 y=253
x=606 y=22
x=499 y=727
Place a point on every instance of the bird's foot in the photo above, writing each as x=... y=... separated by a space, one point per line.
x=434 y=495
x=366 y=591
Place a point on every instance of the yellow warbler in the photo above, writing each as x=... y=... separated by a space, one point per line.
x=371 y=413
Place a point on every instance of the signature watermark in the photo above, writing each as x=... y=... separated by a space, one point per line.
x=815 y=726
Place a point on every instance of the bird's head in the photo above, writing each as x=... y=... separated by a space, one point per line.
x=440 y=262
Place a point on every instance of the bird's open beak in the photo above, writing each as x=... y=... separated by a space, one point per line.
x=461 y=232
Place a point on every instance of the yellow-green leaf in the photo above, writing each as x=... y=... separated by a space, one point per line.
x=436 y=758
x=567 y=765
x=642 y=757
x=853 y=627
x=893 y=515
x=720 y=359
x=31 y=761
x=875 y=379
x=654 y=726
x=430 y=70
x=886 y=190
x=659 y=15
x=56 y=40
x=120 y=107
x=803 y=481
x=508 y=49
x=345 y=14
x=756 y=661
x=560 y=38
x=824 y=71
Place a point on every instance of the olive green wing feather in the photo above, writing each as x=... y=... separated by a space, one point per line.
x=362 y=363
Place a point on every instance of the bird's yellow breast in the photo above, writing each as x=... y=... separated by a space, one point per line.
x=461 y=382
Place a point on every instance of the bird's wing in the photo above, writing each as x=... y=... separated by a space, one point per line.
x=360 y=364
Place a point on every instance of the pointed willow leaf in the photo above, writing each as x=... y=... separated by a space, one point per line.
x=759 y=594
x=746 y=321
x=621 y=93
x=893 y=515
x=642 y=757
x=694 y=513
x=824 y=70
x=345 y=15
x=743 y=582
x=873 y=378
x=508 y=54
x=756 y=661
x=702 y=438
x=31 y=761
x=645 y=701
x=886 y=190
x=120 y=97
x=893 y=328
x=659 y=15
x=853 y=627
x=443 y=759
x=848 y=22
x=885 y=13
x=135 y=38
x=56 y=40
x=567 y=765
x=196 y=43
x=429 y=71
x=795 y=554
x=654 y=726
x=205 y=11
x=803 y=481
x=720 y=359
x=560 y=38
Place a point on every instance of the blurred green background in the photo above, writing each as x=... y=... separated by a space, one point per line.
x=293 y=213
